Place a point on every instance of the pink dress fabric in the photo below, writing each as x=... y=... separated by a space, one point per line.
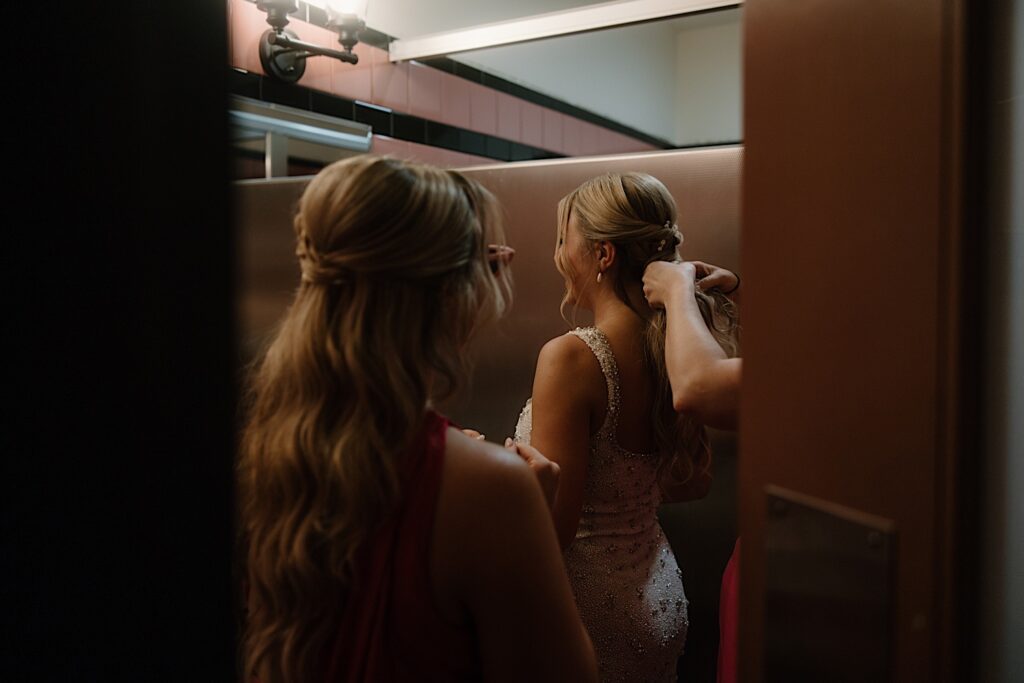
x=728 y=619
x=391 y=629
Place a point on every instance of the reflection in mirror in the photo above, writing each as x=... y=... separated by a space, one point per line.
x=677 y=80
x=562 y=111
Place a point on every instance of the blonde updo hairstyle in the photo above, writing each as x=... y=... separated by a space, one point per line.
x=637 y=214
x=395 y=280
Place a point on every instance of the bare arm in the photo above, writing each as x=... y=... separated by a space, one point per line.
x=567 y=378
x=496 y=552
x=705 y=383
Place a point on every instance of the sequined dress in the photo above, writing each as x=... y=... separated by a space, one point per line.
x=627 y=583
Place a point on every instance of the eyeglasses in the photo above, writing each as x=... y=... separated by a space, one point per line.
x=499 y=255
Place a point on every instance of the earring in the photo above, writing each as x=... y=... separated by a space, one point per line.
x=599 y=274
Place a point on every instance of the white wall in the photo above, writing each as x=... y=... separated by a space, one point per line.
x=625 y=74
x=1001 y=636
x=709 y=87
x=678 y=79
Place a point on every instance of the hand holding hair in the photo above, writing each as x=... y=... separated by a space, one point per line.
x=663 y=279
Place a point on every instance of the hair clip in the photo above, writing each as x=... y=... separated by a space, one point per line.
x=499 y=255
x=661 y=245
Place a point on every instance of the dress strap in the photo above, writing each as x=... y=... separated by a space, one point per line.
x=598 y=344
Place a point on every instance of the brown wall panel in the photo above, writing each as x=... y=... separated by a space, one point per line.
x=847 y=206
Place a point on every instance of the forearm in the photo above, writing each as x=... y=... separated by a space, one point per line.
x=705 y=382
x=690 y=349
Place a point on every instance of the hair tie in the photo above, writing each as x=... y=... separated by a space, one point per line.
x=315 y=269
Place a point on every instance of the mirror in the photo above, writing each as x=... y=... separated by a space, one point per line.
x=561 y=110
x=675 y=80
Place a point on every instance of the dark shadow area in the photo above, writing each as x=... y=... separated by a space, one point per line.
x=117 y=433
x=702 y=534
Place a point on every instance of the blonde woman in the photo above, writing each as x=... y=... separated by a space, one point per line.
x=382 y=543
x=602 y=410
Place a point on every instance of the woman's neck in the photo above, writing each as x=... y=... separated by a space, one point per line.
x=611 y=312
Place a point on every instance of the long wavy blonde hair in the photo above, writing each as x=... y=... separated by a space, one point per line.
x=638 y=215
x=395 y=280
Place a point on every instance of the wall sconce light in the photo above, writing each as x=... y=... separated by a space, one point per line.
x=283 y=55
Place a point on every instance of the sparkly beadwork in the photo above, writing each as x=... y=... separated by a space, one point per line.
x=623 y=573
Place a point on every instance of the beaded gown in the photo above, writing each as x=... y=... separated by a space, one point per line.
x=628 y=586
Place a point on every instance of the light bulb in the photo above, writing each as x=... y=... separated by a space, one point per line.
x=349 y=7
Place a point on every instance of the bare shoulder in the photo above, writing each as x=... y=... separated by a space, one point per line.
x=473 y=466
x=484 y=495
x=482 y=457
x=566 y=353
x=488 y=496
x=569 y=370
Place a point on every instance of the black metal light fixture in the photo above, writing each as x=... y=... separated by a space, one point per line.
x=283 y=55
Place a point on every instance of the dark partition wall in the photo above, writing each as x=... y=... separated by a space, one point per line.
x=857 y=389
x=116 y=438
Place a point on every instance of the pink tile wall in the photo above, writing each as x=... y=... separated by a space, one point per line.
x=426 y=92
x=590 y=139
x=389 y=146
x=319 y=70
x=509 y=116
x=572 y=137
x=455 y=100
x=391 y=86
x=531 y=128
x=247 y=25
x=552 y=130
x=483 y=108
x=354 y=81
x=426 y=154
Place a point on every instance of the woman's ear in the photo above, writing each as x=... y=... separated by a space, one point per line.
x=604 y=252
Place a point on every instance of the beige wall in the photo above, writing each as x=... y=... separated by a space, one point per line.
x=709 y=71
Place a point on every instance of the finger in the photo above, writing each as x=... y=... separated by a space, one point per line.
x=717 y=279
x=508 y=442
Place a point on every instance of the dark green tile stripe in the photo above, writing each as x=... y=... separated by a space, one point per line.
x=382 y=120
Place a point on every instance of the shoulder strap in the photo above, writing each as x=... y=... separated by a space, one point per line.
x=598 y=344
